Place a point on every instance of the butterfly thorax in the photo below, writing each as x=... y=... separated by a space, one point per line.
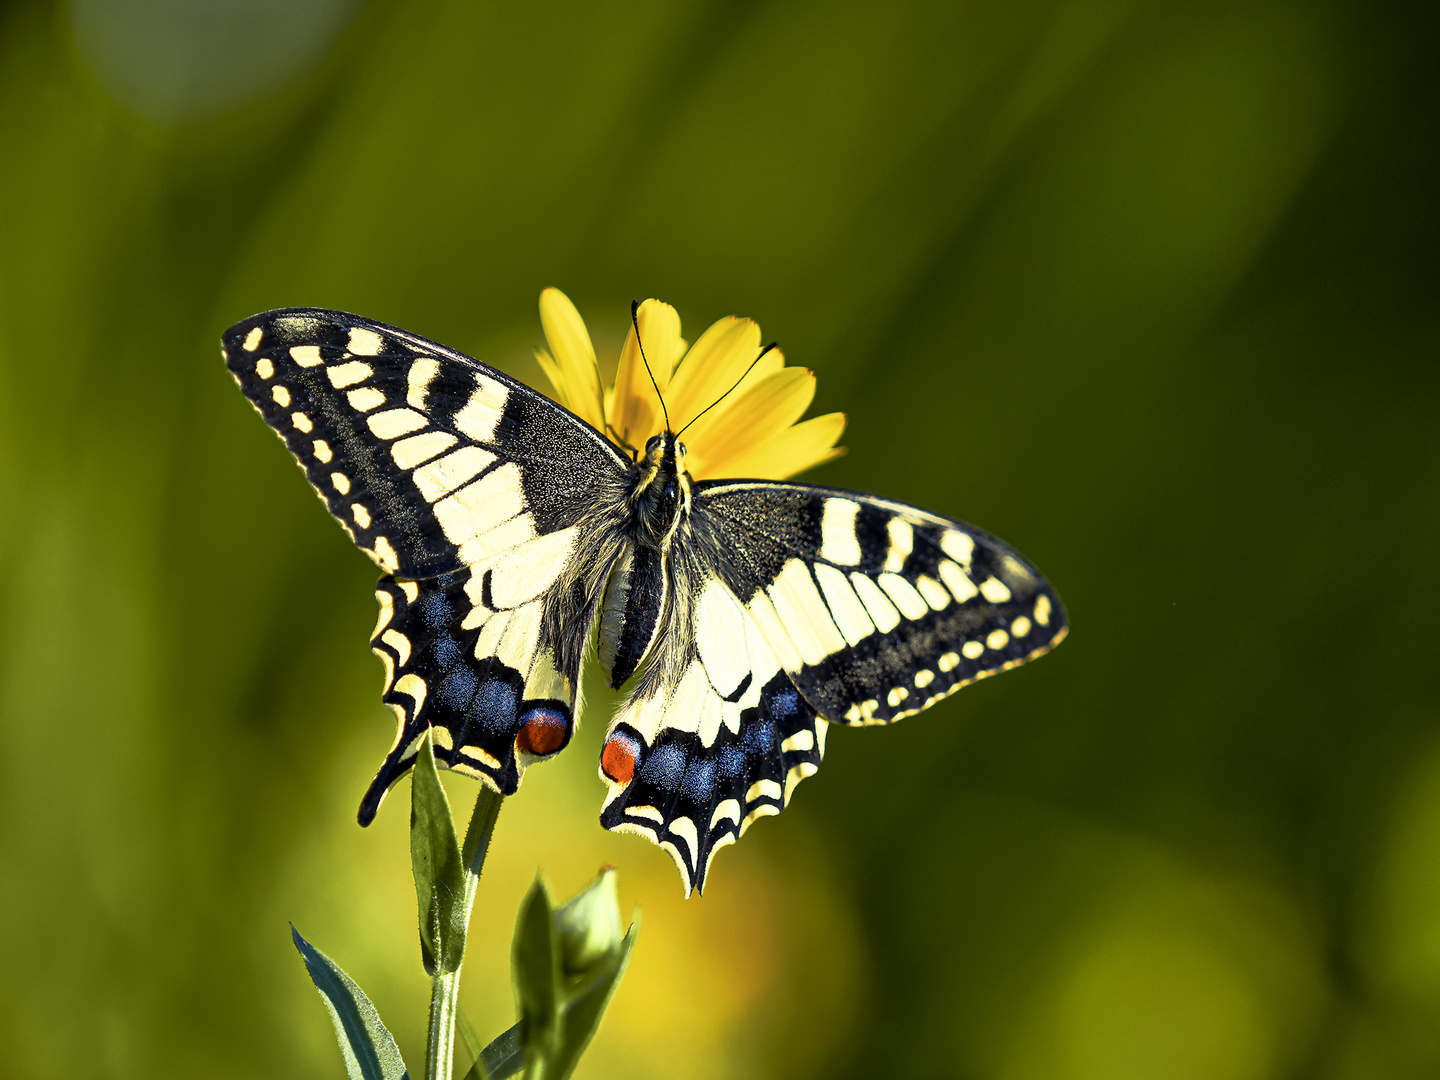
x=660 y=495
x=638 y=589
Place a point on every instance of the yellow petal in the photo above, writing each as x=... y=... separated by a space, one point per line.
x=681 y=348
x=634 y=410
x=574 y=356
x=763 y=411
x=713 y=365
x=547 y=365
x=792 y=451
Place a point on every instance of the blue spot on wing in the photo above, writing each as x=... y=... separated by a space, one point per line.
x=784 y=704
x=446 y=651
x=731 y=763
x=759 y=737
x=699 y=780
x=495 y=706
x=436 y=612
x=457 y=689
x=665 y=767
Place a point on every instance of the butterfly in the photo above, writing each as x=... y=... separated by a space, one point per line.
x=746 y=616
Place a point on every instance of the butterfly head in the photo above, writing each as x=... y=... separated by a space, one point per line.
x=665 y=448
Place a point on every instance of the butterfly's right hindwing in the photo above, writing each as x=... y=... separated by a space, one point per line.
x=473 y=676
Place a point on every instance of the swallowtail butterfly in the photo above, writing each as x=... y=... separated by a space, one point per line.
x=748 y=616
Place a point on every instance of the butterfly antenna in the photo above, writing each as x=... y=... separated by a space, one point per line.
x=722 y=397
x=635 y=320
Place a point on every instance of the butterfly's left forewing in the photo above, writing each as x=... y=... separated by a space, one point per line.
x=484 y=502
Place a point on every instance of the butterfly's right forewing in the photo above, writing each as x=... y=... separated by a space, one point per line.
x=876 y=609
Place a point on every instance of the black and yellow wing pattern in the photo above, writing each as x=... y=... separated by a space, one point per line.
x=468 y=489
x=749 y=616
x=810 y=606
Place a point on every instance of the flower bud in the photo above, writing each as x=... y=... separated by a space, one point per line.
x=589 y=926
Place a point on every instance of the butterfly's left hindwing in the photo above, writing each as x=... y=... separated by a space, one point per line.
x=490 y=508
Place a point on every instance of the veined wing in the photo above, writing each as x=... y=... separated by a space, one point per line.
x=875 y=609
x=420 y=452
x=496 y=687
x=799 y=606
x=482 y=501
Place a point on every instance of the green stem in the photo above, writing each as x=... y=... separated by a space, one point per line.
x=440 y=1045
x=445 y=987
x=477 y=841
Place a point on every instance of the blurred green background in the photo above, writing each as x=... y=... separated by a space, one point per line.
x=1146 y=287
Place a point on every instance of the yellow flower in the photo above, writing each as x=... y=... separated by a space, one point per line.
x=751 y=434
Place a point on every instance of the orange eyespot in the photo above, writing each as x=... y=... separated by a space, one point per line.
x=542 y=733
x=619 y=757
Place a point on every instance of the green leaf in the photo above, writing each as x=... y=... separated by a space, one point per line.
x=585 y=1008
x=437 y=866
x=589 y=926
x=535 y=960
x=370 y=1052
x=503 y=1058
x=478 y=1071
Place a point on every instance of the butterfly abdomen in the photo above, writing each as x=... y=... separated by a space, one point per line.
x=634 y=600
